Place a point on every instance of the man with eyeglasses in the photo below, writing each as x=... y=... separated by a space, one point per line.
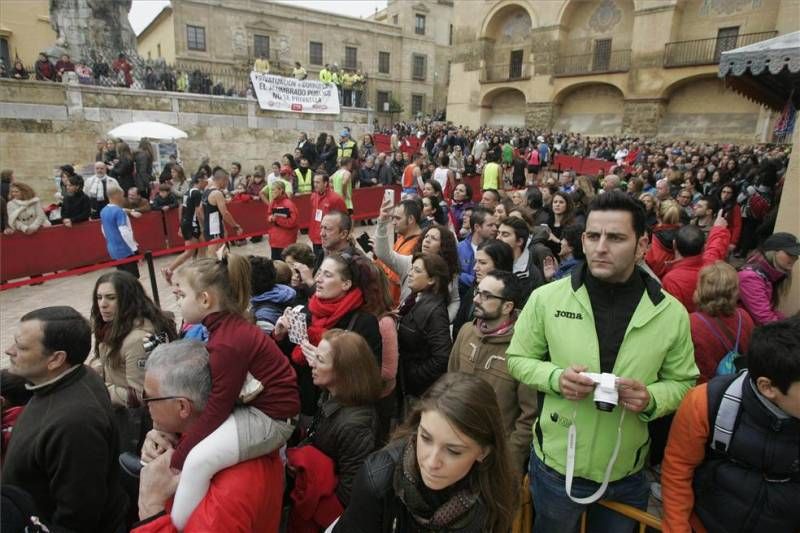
x=243 y=497
x=64 y=447
x=480 y=349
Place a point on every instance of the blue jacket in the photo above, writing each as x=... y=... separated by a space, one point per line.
x=269 y=306
x=466 y=263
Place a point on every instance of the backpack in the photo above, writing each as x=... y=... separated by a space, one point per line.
x=724 y=422
x=726 y=365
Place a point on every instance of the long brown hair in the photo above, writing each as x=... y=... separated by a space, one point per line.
x=377 y=299
x=469 y=403
x=133 y=306
x=229 y=278
x=358 y=378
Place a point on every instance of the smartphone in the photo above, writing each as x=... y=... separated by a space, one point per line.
x=363 y=241
x=388 y=196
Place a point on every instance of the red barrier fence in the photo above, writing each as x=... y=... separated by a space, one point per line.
x=581 y=165
x=383 y=143
x=60 y=248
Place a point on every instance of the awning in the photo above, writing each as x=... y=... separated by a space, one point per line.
x=767 y=72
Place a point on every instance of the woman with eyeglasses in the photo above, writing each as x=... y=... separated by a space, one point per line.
x=337 y=302
x=122 y=317
x=448 y=468
x=345 y=424
x=423 y=334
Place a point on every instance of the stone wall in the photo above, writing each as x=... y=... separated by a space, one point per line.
x=45 y=125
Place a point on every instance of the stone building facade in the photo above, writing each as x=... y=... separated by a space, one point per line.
x=24 y=30
x=44 y=125
x=403 y=49
x=639 y=67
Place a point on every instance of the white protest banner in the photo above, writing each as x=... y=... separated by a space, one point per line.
x=278 y=93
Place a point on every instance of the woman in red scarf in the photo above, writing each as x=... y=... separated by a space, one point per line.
x=336 y=303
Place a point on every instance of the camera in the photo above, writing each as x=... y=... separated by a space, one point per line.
x=606 y=396
x=152 y=340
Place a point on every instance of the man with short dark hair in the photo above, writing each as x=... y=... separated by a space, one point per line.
x=734 y=446
x=405 y=218
x=323 y=201
x=704 y=211
x=489 y=199
x=480 y=349
x=483 y=226
x=514 y=232
x=692 y=253
x=607 y=317
x=64 y=447
x=307 y=148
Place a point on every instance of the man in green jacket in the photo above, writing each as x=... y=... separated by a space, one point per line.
x=607 y=317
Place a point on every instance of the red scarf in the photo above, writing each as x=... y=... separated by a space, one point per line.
x=325 y=314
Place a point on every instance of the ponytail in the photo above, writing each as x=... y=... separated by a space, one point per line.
x=239 y=273
x=228 y=277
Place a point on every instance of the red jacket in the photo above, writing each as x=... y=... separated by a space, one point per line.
x=283 y=230
x=314 y=494
x=660 y=252
x=321 y=205
x=708 y=349
x=734 y=218
x=236 y=347
x=246 y=498
x=681 y=279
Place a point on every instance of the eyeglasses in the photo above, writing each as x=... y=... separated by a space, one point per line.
x=147 y=400
x=484 y=295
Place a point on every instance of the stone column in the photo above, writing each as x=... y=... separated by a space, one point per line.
x=642 y=117
x=540 y=115
x=789 y=221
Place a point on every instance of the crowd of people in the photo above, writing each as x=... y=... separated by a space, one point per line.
x=156 y=75
x=615 y=336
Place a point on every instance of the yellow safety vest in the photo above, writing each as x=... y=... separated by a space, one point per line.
x=304 y=182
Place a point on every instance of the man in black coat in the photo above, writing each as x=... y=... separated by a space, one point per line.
x=64 y=447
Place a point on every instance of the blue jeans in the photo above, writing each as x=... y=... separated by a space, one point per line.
x=556 y=512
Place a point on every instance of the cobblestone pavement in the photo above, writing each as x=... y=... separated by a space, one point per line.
x=76 y=291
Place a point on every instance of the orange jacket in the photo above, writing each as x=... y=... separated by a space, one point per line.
x=402 y=246
x=686 y=450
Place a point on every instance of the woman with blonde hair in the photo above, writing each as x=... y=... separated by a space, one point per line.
x=661 y=250
x=447 y=469
x=719 y=325
x=25 y=213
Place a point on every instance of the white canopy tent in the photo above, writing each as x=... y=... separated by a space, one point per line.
x=135 y=131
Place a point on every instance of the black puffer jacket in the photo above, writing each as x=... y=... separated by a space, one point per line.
x=424 y=343
x=347 y=435
x=375 y=508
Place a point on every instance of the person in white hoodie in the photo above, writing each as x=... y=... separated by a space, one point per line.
x=25 y=213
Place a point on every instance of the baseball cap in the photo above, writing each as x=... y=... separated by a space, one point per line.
x=782 y=241
x=540 y=139
x=344 y=133
x=286 y=171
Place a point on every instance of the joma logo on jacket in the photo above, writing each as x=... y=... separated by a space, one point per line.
x=567 y=314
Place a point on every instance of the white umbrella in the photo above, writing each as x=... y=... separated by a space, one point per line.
x=134 y=131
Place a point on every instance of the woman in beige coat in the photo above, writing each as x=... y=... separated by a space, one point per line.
x=25 y=213
x=123 y=317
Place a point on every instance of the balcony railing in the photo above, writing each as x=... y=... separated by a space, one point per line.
x=594 y=63
x=708 y=51
x=506 y=72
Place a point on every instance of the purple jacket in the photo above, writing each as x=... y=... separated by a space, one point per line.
x=757 y=280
